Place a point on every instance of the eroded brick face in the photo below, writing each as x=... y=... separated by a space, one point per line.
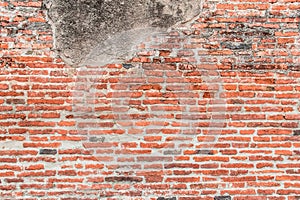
x=206 y=111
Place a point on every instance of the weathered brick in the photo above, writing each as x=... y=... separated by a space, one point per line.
x=48 y=151
x=166 y=198
x=222 y=198
x=296 y=132
x=123 y=179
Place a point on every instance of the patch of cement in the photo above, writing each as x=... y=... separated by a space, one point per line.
x=118 y=47
x=112 y=27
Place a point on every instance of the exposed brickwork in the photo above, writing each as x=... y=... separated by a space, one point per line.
x=207 y=112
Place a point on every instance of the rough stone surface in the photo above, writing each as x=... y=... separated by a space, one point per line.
x=112 y=27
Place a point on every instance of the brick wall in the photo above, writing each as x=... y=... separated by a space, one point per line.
x=209 y=110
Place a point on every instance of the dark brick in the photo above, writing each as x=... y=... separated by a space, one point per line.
x=172 y=152
x=181 y=165
x=123 y=179
x=297 y=152
x=222 y=198
x=205 y=152
x=48 y=151
x=166 y=198
x=296 y=132
x=14 y=180
x=294 y=67
x=269 y=88
x=97 y=139
x=237 y=46
x=127 y=66
x=15 y=101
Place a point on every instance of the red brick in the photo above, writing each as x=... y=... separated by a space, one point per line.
x=167 y=113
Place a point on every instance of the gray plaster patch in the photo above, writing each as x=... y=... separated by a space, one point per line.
x=118 y=47
x=112 y=27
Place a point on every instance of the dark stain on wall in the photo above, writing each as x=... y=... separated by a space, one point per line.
x=82 y=25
